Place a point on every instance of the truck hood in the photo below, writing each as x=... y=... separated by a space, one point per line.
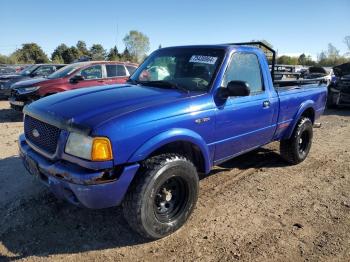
x=342 y=70
x=84 y=109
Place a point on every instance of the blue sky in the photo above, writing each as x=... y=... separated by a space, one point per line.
x=291 y=26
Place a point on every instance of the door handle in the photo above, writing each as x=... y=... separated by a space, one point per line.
x=266 y=104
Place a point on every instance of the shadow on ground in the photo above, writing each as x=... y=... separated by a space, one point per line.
x=46 y=226
x=10 y=115
x=341 y=111
x=259 y=158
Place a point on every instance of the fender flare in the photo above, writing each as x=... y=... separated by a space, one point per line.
x=303 y=107
x=172 y=135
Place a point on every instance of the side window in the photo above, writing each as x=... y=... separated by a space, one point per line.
x=245 y=67
x=115 y=70
x=92 y=72
x=131 y=69
x=45 y=70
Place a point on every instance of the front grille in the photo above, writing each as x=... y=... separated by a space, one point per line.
x=42 y=135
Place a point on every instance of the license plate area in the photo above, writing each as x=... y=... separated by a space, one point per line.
x=16 y=103
x=32 y=166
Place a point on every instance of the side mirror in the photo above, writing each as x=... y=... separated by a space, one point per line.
x=238 y=88
x=33 y=74
x=76 y=79
x=234 y=88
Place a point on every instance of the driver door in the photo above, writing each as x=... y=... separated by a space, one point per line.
x=246 y=122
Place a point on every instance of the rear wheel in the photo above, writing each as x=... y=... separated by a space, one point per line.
x=295 y=149
x=162 y=196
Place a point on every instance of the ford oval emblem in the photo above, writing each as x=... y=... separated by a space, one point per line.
x=35 y=133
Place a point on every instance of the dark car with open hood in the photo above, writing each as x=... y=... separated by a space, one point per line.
x=339 y=88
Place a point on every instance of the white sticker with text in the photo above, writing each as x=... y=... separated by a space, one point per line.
x=203 y=59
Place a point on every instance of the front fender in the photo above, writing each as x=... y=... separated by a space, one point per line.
x=172 y=135
x=303 y=107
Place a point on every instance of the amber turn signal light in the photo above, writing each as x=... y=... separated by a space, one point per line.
x=101 y=149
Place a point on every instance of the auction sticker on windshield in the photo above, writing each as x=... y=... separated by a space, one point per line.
x=203 y=59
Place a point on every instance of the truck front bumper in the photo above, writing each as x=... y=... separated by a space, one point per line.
x=73 y=183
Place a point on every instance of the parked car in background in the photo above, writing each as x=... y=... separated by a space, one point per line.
x=33 y=71
x=315 y=72
x=339 y=88
x=286 y=72
x=5 y=70
x=74 y=76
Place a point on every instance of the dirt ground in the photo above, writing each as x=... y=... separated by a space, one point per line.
x=254 y=207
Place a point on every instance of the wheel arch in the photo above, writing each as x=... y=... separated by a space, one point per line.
x=306 y=109
x=178 y=140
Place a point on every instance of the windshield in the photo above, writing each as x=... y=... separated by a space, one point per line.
x=64 y=71
x=28 y=70
x=189 y=69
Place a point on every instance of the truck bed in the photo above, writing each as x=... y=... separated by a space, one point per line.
x=292 y=98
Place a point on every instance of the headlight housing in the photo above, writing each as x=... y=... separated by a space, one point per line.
x=90 y=148
x=30 y=89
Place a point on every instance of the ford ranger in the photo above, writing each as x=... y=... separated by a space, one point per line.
x=143 y=144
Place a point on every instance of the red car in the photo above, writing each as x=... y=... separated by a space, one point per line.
x=78 y=75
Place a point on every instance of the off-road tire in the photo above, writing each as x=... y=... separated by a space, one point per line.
x=295 y=149
x=140 y=207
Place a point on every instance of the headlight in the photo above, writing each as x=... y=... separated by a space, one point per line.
x=30 y=89
x=90 y=148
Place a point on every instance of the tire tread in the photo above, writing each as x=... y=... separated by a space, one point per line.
x=133 y=199
x=286 y=146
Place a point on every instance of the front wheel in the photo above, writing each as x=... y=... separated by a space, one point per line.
x=162 y=196
x=295 y=149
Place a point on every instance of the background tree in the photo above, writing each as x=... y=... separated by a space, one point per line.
x=333 y=52
x=70 y=55
x=97 y=52
x=331 y=57
x=287 y=60
x=347 y=43
x=57 y=59
x=126 y=56
x=113 y=54
x=82 y=49
x=302 y=59
x=309 y=61
x=57 y=54
x=65 y=54
x=31 y=53
x=11 y=59
x=137 y=44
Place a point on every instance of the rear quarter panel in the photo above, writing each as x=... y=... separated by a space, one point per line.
x=294 y=102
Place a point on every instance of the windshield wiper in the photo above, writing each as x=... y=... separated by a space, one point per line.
x=165 y=84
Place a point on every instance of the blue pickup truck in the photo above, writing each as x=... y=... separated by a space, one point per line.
x=142 y=144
